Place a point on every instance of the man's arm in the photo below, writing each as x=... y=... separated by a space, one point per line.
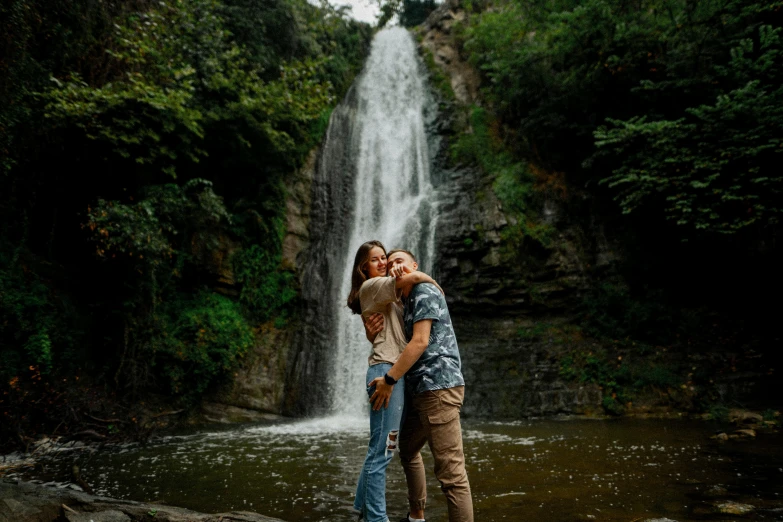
x=373 y=325
x=405 y=278
x=411 y=354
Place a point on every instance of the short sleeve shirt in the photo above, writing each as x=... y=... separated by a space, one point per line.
x=439 y=367
x=379 y=295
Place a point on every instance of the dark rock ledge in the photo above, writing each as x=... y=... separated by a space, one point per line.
x=28 y=502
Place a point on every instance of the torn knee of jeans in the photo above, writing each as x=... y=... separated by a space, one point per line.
x=391 y=441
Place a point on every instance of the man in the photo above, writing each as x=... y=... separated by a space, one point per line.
x=435 y=388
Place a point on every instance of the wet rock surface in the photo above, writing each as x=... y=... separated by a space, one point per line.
x=28 y=502
x=747 y=425
x=497 y=291
x=257 y=387
x=437 y=39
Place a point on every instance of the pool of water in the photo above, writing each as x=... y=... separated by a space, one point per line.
x=543 y=470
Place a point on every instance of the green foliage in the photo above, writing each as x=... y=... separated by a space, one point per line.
x=149 y=244
x=102 y=106
x=710 y=171
x=612 y=405
x=415 y=12
x=200 y=340
x=676 y=106
x=658 y=377
x=37 y=329
x=185 y=342
x=612 y=312
x=153 y=229
x=266 y=290
x=438 y=79
x=181 y=61
x=718 y=412
x=482 y=145
x=594 y=368
x=619 y=379
x=535 y=332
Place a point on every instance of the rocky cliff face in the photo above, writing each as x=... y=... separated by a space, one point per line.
x=498 y=292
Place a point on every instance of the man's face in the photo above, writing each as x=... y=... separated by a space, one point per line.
x=401 y=258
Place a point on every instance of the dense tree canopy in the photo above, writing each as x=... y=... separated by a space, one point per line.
x=675 y=105
x=137 y=137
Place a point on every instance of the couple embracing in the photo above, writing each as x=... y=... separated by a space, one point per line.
x=414 y=381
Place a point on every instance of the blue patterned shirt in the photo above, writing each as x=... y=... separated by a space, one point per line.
x=439 y=366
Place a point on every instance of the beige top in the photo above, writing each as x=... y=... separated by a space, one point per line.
x=379 y=295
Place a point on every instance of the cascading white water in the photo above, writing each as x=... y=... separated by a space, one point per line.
x=394 y=200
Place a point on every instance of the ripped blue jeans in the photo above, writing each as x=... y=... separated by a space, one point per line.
x=384 y=431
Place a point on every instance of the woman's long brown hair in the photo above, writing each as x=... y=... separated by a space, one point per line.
x=357 y=274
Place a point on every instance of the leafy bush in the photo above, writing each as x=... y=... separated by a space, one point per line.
x=37 y=329
x=266 y=289
x=151 y=243
x=200 y=341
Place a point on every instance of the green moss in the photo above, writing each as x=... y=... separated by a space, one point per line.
x=718 y=412
x=481 y=145
x=534 y=332
x=439 y=80
x=619 y=379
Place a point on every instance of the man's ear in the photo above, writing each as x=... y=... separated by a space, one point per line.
x=415 y=266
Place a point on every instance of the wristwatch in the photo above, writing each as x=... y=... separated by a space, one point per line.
x=389 y=380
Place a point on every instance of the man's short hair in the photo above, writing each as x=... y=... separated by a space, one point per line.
x=398 y=250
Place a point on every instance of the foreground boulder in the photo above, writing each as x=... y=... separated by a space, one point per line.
x=27 y=502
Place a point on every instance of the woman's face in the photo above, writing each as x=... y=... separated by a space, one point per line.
x=376 y=266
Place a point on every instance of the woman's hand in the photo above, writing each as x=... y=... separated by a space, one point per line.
x=397 y=271
x=382 y=393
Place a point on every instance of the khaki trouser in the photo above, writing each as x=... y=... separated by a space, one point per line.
x=433 y=417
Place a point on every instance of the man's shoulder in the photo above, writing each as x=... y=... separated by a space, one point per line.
x=425 y=289
x=425 y=298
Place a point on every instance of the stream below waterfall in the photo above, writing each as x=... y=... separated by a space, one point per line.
x=543 y=470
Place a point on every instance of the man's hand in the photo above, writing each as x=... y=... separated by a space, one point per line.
x=382 y=393
x=372 y=326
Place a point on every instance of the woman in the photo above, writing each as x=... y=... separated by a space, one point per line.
x=373 y=292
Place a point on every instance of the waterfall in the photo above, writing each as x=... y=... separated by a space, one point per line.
x=393 y=193
x=372 y=182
